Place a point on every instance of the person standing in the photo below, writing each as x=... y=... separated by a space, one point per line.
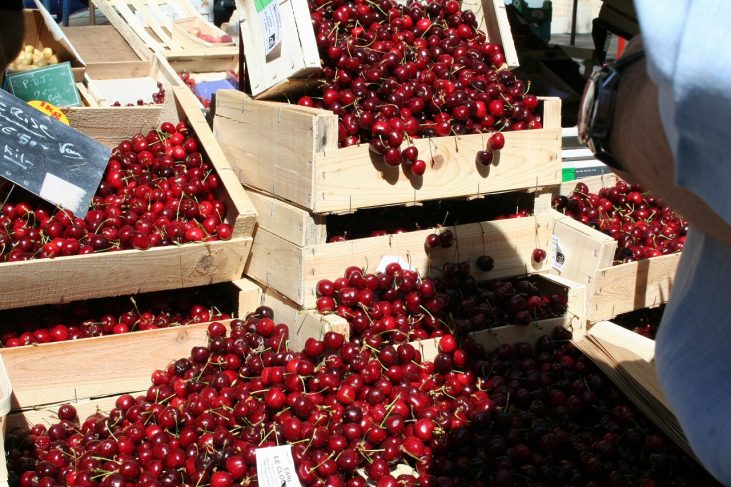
x=660 y=117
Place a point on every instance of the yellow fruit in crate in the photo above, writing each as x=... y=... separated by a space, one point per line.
x=54 y=59
x=29 y=48
x=47 y=53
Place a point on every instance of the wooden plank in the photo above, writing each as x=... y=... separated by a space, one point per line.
x=289 y=222
x=79 y=277
x=118 y=70
x=284 y=151
x=586 y=250
x=48 y=415
x=595 y=183
x=139 y=47
x=551 y=112
x=154 y=24
x=294 y=271
x=642 y=284
x=134 y=24
x=98 y=44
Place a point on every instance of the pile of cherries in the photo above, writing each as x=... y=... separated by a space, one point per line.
x=398 y=305
x=645 y=322
x=353 y=413
x=156 y=190
x=394 y=72
x=112 y=316
x=641 y=223
x=158 y=98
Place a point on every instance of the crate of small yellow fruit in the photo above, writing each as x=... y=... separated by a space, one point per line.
x=32 y=58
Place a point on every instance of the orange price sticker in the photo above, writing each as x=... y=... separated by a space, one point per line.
x=49 y=110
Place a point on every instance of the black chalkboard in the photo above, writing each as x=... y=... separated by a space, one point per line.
x=47 y=157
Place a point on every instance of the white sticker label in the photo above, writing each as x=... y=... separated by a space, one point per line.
x=559 y=258
x=271 y=23
x=390 y=259
x=275 y=467
x=60 y=191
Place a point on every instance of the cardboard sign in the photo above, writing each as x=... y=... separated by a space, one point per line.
x=46 y=157
x=275 y=467
x=54 y=84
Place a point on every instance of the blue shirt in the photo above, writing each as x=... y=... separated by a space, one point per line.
x=689 y=52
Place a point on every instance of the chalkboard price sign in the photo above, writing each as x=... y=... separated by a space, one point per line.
x=48 y=158
x=54 y=84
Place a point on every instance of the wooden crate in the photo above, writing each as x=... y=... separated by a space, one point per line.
x=291 y=152
x=152 y=32
x=41 y=31
x=302 y=323
x=156 y=68
x=289 y=253
x=629 y=360
x=493 y=338
x=610 y=289
x=49 y=373
x=73 y=278
x=186 y=40
x=202 y=65
x=296 y=58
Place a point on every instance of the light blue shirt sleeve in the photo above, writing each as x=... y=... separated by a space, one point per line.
x=688 y=44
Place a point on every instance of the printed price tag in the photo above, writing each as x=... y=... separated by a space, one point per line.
x=275 y=467
x=559 y=258
x=389 y=259
x=271 y=23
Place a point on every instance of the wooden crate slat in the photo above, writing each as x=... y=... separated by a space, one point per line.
x=291 y=223
x=134 y=24
x=297 y=54
x=136 y=43
x=586 y=250
x=594 y=183
x=183 y=8
x=293 y=154
x=496 y=21
x=627 y=287
x=294 y=271
x=155 y=24
x=73 y=278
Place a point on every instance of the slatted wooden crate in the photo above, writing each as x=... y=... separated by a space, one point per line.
x=291 y=152
x=574 y=320
x=50 y=373
x=165 y=69
x=290 y=64
x=290 y=253
x=119 y=74
x=73 y=278
x=611 y=289
x=147 y=25
x=185 y=39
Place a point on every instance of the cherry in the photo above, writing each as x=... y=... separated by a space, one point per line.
x=539 y=255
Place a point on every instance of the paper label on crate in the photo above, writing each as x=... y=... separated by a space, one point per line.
x=275 y=467
x=559 y=258
x=271 y=23
x=390 y=259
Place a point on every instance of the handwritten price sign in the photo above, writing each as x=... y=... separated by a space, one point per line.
x=48 y=158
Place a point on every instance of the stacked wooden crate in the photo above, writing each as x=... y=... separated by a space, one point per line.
x=93 y=368
x=610 y=289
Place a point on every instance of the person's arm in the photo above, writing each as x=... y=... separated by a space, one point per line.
x=639 y=143
x=12 y=31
